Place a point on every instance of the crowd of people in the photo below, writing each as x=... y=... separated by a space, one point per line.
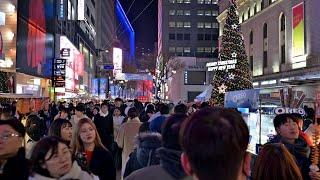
x=151 y=141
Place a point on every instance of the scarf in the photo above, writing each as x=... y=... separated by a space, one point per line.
x=170 y=161
x=104 y=115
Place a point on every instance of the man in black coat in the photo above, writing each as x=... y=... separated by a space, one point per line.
x=104 y=123
x=13 y=164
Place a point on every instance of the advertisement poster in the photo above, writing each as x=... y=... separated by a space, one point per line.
x=298 y=48
x=103 y=83
x=35 y=50
x=242 y=99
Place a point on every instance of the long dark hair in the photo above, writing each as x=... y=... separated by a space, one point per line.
x=40 y=151
x=275 y=162
x=55 y=128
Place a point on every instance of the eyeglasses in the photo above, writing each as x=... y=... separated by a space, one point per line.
x=5 y=137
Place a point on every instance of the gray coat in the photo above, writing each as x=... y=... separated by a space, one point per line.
x=152 y=172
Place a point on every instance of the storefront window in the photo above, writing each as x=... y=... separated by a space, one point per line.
x=86 y=56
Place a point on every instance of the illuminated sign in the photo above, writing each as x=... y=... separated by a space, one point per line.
x=59 y=72
x=222 y=65
x=61 y=6
x=2 y=19
x=117 y=61
x=81 y=10
x=65 y=52
x=298 y=48
x=74 y=64
x=289 y=111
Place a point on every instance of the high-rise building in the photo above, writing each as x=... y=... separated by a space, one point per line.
x=105 y=29
x=187 y=32
x=282 y=44
x=188 y=28
x=125 y=35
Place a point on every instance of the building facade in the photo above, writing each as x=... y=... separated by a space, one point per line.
x=125 y=35
x=186 y=28
x=282 y=43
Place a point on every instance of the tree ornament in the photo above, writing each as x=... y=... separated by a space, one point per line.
x=222 y=89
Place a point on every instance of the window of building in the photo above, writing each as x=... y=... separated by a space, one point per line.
x=93 y=3
x=187 y=37
x=270 y=2
x=87 y=11
x=93 y=21
x=265 y=59
x=283 y=23
x=187 y=49
x=255 y=9
x=187 y=24
x=200 y=37
x=179 y=24
x=251 y=63
x=187 y=12
x=200 y=49
x=172 y=12
x=187 y=1
x=179 y=49
x=180 y=12
x=207 y=37
x=179 y=36
x=207 y=1
x=251 y=37
x=172 y=1
x=265 y=31
x=207 y=25
x=172 y=36
x=172 y=24
x=214 y=1
x=200 y=25
x=215 y=25
x=215 y=13
x=249 y=13
x=200 y=12
x=207 y=49
x=200 y=1
x=179 y=1
x=283 y=54
x=262 y=4
x=243 y=17
x=172 y=49
x=207 y=13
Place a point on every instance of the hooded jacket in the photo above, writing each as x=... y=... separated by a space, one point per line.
x=145 y=153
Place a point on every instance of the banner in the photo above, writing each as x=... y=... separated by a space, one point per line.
x=298 y=48
x=242 y=99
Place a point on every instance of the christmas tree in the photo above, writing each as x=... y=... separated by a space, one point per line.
x=232 y=69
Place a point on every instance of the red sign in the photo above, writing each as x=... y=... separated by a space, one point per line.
x=1 y=44
x=318 y=104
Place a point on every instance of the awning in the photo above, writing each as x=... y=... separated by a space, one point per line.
x=206 y=94
x=133 y=77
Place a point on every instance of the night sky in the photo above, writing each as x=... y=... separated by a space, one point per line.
x=146 y=26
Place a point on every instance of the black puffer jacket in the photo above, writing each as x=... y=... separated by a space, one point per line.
x=145 y=153
x=300 y=150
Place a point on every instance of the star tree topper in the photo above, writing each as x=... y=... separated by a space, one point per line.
x=234 y=55
x=222 y=89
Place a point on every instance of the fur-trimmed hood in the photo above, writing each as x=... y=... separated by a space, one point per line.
x=146 y=146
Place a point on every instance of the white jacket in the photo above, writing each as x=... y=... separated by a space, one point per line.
x=74 y=173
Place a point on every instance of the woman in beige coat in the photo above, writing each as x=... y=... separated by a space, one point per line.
x=127 y=133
